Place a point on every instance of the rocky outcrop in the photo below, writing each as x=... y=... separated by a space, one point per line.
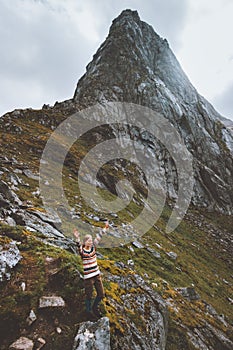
x=139 y=307
x=204 y=335
x=135 y=65
x=208 y=337
x=9 y=258
x=94 y=336
x=14 y=212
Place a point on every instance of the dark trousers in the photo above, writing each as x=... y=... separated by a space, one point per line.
x=92 y=282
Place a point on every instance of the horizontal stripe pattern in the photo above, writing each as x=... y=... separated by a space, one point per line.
x=89 y=259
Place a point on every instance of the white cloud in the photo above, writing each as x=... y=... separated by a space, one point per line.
x=46 y=44
x=207 y=46
x=43 y=54
x=224 y=102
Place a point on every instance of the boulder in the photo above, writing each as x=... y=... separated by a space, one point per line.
x=22 y=343
x=93 y=335
x=9 y=257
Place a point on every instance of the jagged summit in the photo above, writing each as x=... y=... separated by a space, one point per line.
x=133 y=55
x=127 y=15
x=134 y=64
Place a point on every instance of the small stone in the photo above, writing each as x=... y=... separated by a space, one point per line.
x=138 y=244
x=154 y=252
x=58 y=330
x=158 y=245
x=130 y=262
x=31 y=318
x=155 y=285
x=10 y=221
x=40 y=342
x=172 y=255
x=23 y=286
x=131 y=249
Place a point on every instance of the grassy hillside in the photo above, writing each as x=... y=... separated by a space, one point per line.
x=200 y=264
x=201 y=242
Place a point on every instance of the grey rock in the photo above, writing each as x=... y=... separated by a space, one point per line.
x=150 y=311
x=31 y=318
x=8 y=194
x=14 y=179
x=138 y=245
x=9 y=258
x=39 y=343
x=145 y=71
x=189 y=293
x=130 y=262
x=10 y=221
x=208 y=337
x=50 y=217
x=22 y=343
x=51 y=301
x=154 y=252
x=34 y=221
x=172 y=255
x=18 y=171
x=93 y=336
x=30 y=174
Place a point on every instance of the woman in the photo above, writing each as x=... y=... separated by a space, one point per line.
x=92 y=277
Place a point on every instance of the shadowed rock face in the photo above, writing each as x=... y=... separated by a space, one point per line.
x=135 y=65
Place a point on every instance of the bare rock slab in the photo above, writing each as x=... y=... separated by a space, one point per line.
x=51 y=301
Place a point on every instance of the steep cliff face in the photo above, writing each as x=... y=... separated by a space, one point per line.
x=135 y=65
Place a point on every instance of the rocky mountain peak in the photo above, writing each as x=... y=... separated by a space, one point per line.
x=126 y=15
x=134 y=64
x=132 y=55
x=162 y=291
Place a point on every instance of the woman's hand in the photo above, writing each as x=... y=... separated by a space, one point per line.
x=106 y=224
x=76 y=235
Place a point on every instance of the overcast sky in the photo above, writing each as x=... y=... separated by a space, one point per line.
x=46 y=45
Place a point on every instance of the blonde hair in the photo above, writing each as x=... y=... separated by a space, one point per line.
x=86 y=238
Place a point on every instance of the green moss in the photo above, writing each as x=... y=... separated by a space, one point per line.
x=117 y=322
x=15 y=303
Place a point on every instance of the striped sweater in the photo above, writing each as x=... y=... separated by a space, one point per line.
x=90 y=266
x=89 y=259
